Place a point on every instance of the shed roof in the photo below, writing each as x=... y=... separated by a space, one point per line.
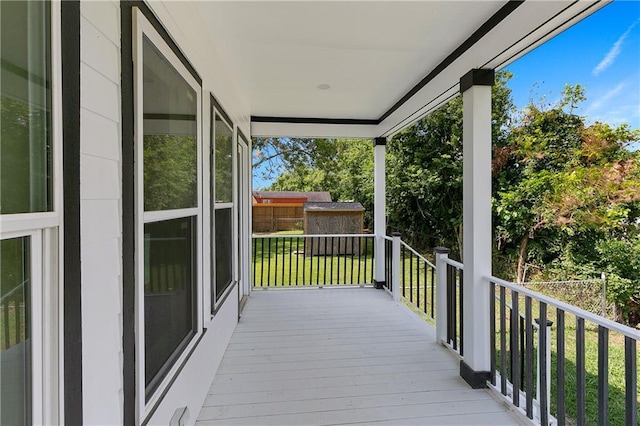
x=334 y=206
x=320 y=196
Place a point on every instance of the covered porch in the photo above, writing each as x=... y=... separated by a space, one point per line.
x=341 y=356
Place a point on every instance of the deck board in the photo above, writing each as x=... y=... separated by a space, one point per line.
x=338 y=357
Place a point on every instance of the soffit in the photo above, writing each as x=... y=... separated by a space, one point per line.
x=370 y=53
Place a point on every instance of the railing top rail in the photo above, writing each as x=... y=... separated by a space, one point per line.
x=597 y=319
x=591 y=281
x=312 y=235
x=454 y=263
x=417 y=254
x=388 y=238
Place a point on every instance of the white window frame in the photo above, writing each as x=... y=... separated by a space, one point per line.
x=220 y=299
x=243 y=207
x=141 y=26
x=46 y=244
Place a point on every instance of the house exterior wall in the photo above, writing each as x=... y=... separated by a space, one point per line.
x=101 y=213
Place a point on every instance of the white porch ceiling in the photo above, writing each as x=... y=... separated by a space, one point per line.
x=372 y=54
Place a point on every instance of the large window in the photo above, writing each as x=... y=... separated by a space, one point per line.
x=222 y=216
x=15 y=319
x=168 y=211
x=29 y=166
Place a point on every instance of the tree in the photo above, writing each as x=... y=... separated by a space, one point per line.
x=272 y=155
x=569 y=178
x=424 y=169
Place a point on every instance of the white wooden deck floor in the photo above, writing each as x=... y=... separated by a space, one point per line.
x=340 y=356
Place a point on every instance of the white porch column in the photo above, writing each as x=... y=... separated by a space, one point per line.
x=379 y=208
x=477 y=233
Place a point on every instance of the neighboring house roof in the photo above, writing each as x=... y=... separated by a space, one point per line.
x=338 y=207
x=323 y=196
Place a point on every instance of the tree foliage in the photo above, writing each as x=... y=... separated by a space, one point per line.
x=424 y=193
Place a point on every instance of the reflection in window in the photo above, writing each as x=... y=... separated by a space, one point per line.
x=170 y=182
x=224 y=250
x=15 y=342
x=169 y=292
x=170 y=135
x=223 y=161
x=25 y=119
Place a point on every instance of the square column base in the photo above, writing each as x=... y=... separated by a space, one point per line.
x=378 y=284
x=475 y=379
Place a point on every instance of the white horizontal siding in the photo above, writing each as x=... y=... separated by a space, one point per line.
x=100 y=212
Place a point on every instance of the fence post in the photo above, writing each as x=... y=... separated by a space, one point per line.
x=395 y=260
x=441 y=253
x=547 y=354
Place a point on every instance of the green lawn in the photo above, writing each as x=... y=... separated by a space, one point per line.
x=295 y=261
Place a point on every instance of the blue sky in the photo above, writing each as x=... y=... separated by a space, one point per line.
x=601 y=53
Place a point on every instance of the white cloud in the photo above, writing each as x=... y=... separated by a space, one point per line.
x=604 y=99
x=613 y=53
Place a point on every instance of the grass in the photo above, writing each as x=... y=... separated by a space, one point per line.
x=292 y=261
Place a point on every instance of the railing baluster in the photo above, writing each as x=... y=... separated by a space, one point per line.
x=454 y=297
x=304 y=262
x=352 y=254
x=7 y=335
x=18 y=315
x=580 y=372
x=332 y=257
x=297 y=259
x=338 y=262
x=411 y=276
x=284 y=253
x=503 y=341
x=631 y=381
x=269 y=263
x=290 y=262
x=449 y=304
x=603 y=376
x=528 y=383
x=317 y=254
x=433 y=290
x=542 y=367
x=360 y=239
x=345 y=259
x=404 y=275
x=560 y=365
x=324 y=272
x=426 y=288
x=254 y=247
x=275 y=266
x=461 y=303
x=515 y=357
x=492 y=331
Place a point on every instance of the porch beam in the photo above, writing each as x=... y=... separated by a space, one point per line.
x=477 y=233
x=379 y=208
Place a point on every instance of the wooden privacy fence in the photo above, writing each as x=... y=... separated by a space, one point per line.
x=277 y=217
